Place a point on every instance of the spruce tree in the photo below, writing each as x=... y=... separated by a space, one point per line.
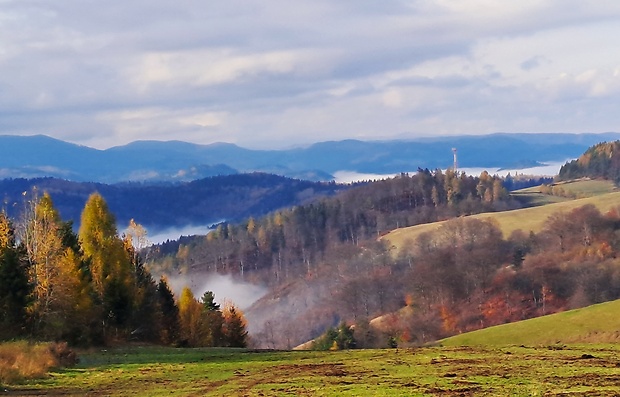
x=234 y=328
x=169 y=331
x=15 y=289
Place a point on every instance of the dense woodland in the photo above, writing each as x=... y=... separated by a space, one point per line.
x=599 y=161
x=327 y=266
x=93 y=288
x=293 y=242
x=165 y=205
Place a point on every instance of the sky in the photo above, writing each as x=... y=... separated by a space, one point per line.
x=281 y=73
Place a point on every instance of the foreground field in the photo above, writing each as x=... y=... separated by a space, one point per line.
x=454 y=371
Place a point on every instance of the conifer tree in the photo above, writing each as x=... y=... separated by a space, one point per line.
x=14 y=287
x=234 y=328
x=169 y=332
x=212 y=320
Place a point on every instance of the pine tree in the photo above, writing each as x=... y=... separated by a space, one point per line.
x=170 y=327
x=15 y=289
x=146 y=316
x=213 y=320
x=234 y=327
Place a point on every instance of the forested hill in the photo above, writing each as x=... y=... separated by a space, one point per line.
x=161 y=206
x=599 y=161
x=295 y=240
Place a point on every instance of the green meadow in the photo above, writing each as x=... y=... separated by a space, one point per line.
x=574 y=353
x=598 y=323
x=523 y=370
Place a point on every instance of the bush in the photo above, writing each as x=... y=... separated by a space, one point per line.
x=23 y=360
x=336 y=339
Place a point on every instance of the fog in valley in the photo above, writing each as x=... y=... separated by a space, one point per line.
x=546 y=169
x=225 y=288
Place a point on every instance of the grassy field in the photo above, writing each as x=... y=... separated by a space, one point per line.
x=582 y=187
x=593 y=324
x=575 y=370
x=526 y=219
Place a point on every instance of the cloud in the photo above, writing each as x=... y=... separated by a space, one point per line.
x=274 y=73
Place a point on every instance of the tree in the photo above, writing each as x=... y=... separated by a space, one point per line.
x=190 y=318
x=14 y=287
x=145 y=316
x=44 y=248
x=169 y=332
x=212 y=320
x=234 y=327
x=111 y=267
x=61 y=305
x=339 y=338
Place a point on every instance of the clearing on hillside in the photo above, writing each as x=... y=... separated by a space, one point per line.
x=526 y=219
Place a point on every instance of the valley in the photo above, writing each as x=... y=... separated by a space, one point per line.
x=412 y=263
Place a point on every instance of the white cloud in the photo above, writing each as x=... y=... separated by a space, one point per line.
x=276 y=73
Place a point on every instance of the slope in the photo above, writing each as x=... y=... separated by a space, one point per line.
x=526 y=219
x=598 y=323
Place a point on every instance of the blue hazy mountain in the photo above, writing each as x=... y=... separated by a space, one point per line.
x=42 y=156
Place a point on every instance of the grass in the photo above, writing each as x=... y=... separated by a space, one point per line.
x=588 y=187
x=526 y=219
x=593 y=324
x=448 y=371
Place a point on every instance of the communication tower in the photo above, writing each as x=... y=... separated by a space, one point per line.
x=455 y=166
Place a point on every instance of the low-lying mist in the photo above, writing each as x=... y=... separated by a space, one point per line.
x=158 y=236
x=550 y=168
x=225 y=287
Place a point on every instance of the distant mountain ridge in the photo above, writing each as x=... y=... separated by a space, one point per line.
x=42 y=156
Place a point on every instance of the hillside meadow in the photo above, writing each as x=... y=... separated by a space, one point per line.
x=526 y=219
x=598 y=323
x=527 y=370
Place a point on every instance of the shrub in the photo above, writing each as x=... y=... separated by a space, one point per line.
x=23 y=360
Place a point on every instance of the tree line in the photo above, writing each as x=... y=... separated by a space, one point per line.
x=599 y=161
x=293 y=242
x=461 y=277
x=93 y=287
x=164 y=205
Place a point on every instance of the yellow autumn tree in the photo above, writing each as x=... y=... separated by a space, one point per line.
x=190 y=318
x=62 y=305
x=109 y=262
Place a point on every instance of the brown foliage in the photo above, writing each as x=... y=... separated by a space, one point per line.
x=22 y=360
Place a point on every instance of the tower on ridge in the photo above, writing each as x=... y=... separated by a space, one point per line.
x=455 y=165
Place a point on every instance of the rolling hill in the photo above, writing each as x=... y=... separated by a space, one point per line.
x=526 y=219
x=173 y=205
